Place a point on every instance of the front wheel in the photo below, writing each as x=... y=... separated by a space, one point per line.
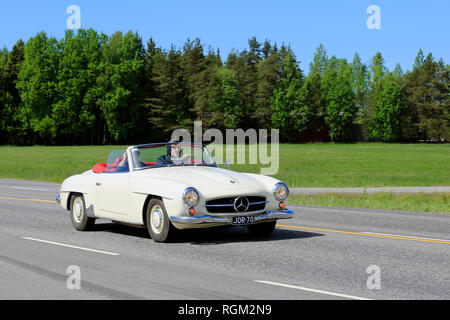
x=264 y=229
x=158 y=224
x=78 y=215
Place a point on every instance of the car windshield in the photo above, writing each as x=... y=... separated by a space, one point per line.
x=171 y=155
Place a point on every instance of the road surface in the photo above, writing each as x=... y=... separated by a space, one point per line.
x=322 y=253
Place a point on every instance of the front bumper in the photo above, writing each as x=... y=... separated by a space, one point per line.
x=271 y=215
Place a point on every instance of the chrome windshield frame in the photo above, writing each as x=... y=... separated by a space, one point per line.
x=162 y=144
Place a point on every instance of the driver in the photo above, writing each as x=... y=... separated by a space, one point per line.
x=173 y=153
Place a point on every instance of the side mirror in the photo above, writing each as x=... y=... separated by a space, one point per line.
x=227 y=164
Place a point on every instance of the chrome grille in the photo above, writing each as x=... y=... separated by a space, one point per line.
x=226 y=205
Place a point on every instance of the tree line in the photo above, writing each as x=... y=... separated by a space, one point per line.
x=91 y=88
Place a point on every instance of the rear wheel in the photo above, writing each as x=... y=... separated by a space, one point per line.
x=78 y=215
x=264 y=229
x=158 y=224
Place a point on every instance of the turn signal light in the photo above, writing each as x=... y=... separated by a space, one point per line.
x=191 y=211
x=282 y=205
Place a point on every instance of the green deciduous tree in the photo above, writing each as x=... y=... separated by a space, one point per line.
x=37 y=84
x=230 y=111
x=386 y=119
x=76 y=110
x=122 y=73
x=339 y=99
x=290 y=112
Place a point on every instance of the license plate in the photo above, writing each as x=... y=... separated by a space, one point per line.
x=243 y=220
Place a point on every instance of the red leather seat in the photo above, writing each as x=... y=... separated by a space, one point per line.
x=99 y=168
x=103 y=167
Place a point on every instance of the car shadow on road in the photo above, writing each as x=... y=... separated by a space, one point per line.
x=119 y=228
x=239 y=234
x=209 y=236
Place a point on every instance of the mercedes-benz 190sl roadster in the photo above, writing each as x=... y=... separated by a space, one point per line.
x=171 y=186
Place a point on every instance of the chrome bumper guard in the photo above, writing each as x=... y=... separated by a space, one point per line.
x=285 y=214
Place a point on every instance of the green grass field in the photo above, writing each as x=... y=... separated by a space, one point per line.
x=421 y=202
x=305 y=165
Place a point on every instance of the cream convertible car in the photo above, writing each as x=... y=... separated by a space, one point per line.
x=170 y=186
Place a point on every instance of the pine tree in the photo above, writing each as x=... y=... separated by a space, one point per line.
x=208 y=90
x=269 y=69
x=377 y=70
x=439 y=128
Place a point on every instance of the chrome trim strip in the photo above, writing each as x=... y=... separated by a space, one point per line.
x=259 y=202
x=285 y=214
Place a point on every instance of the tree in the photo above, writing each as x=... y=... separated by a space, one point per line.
x=75 y=110
x=427 y=92
x=37 y=87
x=193 y=63
x=10 y=98
x=268 y=72
x=360 y=88
x=339 y=99
x=245 y=66
x=3 y=93
x=377 y=70
x=386 y=119
x=320 y=61
x=290 y=113
x=229 y=106
x=439 y=123
x=168 y=109
x=209 y=90
x=315 y=94
x=121 y=80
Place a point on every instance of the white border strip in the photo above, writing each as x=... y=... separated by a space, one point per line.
x=70 y=246
x=312 y=290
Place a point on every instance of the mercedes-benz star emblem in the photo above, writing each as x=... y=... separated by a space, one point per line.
x=241 y=204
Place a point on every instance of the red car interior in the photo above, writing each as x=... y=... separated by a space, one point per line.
x=111 y=167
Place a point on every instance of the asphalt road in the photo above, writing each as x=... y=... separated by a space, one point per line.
x=322 y=253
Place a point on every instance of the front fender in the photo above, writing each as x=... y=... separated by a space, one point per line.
x=170 y=191
x=80 y=183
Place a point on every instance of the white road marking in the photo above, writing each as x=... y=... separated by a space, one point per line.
x=71 y=246
x=396 y=235
x=21 y=188
x=312 y=290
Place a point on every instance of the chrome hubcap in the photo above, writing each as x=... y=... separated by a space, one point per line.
x=157 y=219
x=78 y=210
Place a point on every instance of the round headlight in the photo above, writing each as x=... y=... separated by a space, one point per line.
x=280 y=191
x=191 y=196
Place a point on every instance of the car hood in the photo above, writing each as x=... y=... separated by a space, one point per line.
x=209 y=181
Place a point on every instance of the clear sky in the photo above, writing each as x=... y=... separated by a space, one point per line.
x=406 y=26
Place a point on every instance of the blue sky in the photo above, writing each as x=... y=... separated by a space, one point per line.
x=406 y=26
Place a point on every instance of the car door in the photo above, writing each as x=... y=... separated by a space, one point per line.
x=112 y=195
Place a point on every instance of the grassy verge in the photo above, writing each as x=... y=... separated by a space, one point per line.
x=419 y=202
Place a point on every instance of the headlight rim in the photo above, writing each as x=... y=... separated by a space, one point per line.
x=275 y=189
x=184 y=196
